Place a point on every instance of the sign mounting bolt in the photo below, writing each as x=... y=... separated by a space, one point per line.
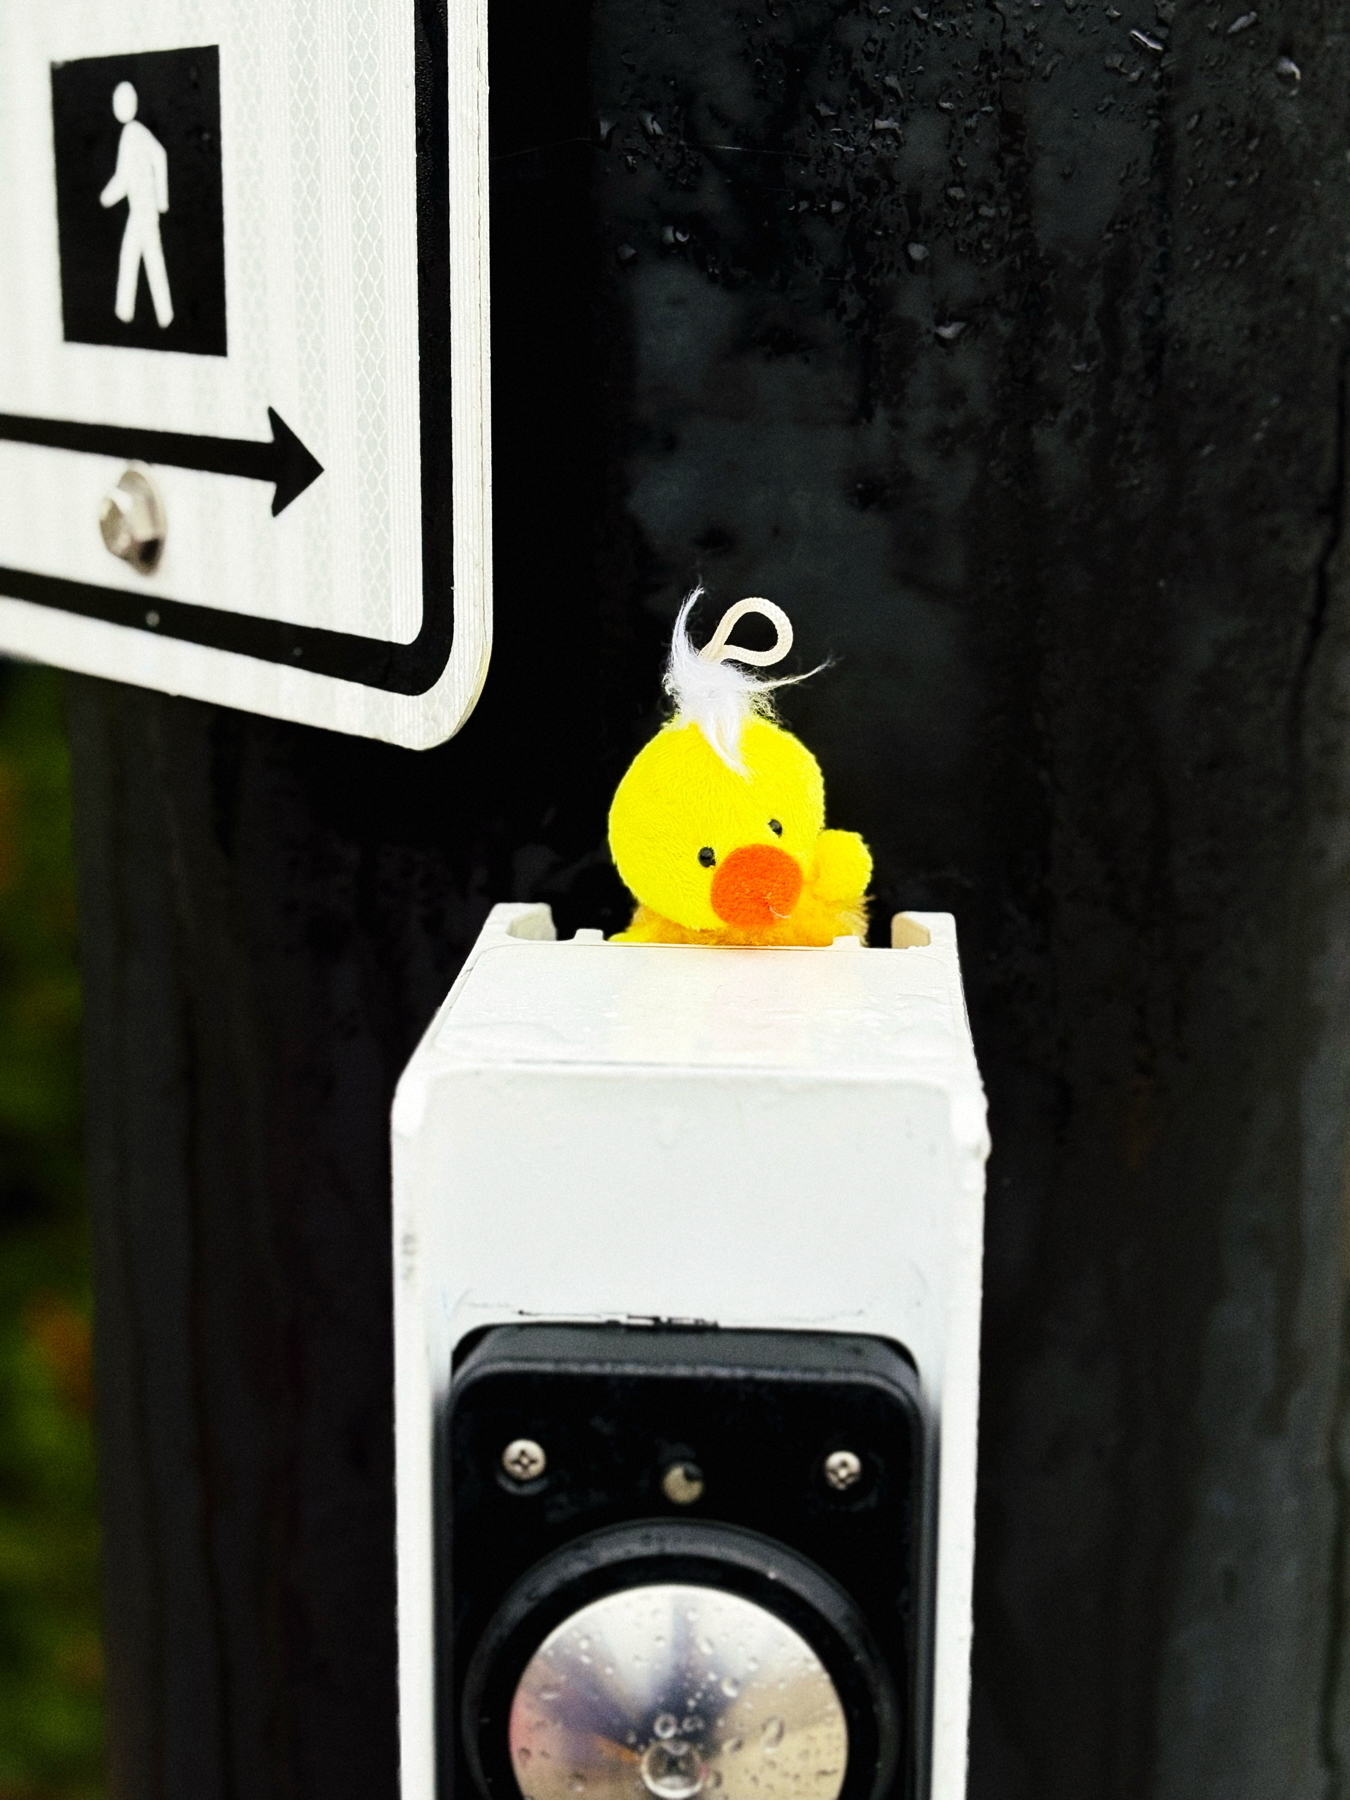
x=133 y=522
x=524 y=1460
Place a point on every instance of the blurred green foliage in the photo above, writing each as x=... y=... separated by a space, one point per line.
x=50 y=1664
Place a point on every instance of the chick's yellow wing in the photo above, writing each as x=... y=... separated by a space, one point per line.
x=842 y=869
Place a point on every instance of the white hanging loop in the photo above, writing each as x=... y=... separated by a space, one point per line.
x=717 y=649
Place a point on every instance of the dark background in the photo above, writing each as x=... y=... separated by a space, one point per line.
x=1004 y=346
x=179 y=94
x=51 y=1740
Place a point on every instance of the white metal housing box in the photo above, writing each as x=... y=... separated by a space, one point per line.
x=763 y=1138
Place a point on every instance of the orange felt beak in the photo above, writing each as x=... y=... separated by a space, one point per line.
x=756 y=887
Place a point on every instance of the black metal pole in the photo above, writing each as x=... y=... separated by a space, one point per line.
x=1005 y=347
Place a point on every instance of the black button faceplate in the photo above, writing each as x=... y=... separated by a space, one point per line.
x=758 y=1413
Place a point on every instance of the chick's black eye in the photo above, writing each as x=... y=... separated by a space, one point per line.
x=707 y=856
x=775 y=828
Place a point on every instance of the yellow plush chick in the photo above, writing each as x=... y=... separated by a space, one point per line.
x=718 y=827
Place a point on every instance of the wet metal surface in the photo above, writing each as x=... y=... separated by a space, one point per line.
x=667 y=1691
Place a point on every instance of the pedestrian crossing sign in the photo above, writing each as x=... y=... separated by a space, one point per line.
x=243 y=353
x=118 y=124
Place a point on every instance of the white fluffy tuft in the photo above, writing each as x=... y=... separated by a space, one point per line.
x=715 y=695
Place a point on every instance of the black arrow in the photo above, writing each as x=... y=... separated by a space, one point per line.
x=285 y=461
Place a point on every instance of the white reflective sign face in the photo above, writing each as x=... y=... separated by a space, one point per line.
x=231 y=324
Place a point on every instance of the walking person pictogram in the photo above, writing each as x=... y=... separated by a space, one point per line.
x=142 y=180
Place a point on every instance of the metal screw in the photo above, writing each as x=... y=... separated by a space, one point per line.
x=683 y=1483
x=524 y=1460
x=843 y=1470
x=133 y=521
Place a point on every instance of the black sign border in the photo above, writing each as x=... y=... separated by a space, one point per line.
x=374 y=663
